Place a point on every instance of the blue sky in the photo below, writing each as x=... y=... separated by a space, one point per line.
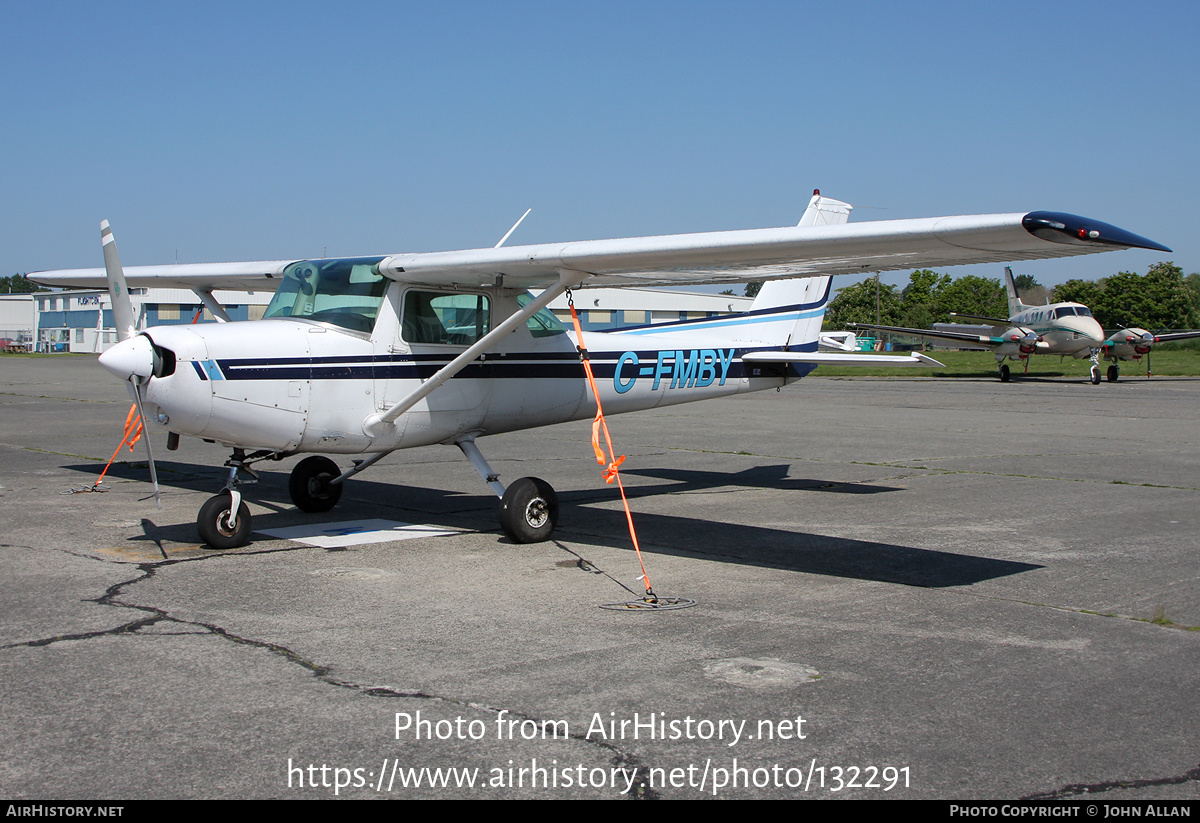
x=242 y=131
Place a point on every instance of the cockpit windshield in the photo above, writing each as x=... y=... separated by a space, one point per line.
x=345 y=292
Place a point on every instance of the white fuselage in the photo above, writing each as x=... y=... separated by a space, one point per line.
x=1061 y=328
x=300 y=385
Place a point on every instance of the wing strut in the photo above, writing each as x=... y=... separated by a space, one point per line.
x=376 y=425
x=210 y=303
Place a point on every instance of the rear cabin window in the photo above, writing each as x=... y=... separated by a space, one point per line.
x=542 y=324
x=444 y=319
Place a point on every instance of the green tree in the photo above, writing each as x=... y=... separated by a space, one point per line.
x=919 y=297
x=1026 y=282
x=1161 y=299
x=971 y=294
x=1158 y=300
x=856 y=304
x=752 y=289
x=17 y=284
x=1192 y=281
x=1079 y=291
x=1031 y=292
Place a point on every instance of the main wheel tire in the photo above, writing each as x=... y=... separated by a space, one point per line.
x=1113 y=374
x=1004 y=373
x=309 y=484
x=1095 y=375
x=213 y=525
x=529 y=510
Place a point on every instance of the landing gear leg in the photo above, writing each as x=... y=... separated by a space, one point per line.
x=224 y=520
x=1095 y=367
x=528 y=507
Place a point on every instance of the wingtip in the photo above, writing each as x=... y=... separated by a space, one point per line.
x=1061 y=227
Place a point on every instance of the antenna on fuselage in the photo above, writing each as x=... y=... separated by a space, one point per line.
x=514 y=228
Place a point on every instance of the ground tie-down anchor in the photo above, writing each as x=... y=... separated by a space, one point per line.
x=651 y=603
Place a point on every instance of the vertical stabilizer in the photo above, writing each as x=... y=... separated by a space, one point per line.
x=1015 y=306
x=804 y=298
x=825 y=211
x=786 y=314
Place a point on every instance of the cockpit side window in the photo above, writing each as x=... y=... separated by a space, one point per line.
x=345 y=292
x=453 y=319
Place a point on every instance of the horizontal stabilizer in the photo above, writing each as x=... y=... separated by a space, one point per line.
x=841 y=359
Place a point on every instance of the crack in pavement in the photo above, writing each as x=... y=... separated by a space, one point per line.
x=1075 y=789
x=625 y=761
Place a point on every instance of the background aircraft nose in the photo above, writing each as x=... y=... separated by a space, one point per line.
x=130 y=358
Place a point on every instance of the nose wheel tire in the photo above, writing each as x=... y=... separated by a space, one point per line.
x=215 y=528
x=309 y=484
x=529 y=510
x=1095 y=375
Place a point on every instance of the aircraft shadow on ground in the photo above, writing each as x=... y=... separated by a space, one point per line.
x=758 y=477
x=582 y=522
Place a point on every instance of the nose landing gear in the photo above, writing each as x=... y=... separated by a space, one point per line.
x=224 y=520
x=224 y=524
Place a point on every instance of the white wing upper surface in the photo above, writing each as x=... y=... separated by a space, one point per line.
x=691 y=259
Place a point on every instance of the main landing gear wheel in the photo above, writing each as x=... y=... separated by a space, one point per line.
x=309 y=484
x=1004 y=373
x=1095 y=375
x=1113 y=373
x=529 y=510
x=215 y=528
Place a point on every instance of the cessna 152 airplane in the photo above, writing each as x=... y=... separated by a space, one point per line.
x=367 y=355
x=1055 y=328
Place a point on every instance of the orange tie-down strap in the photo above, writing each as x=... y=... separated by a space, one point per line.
x=612 y=470
x=133 y=433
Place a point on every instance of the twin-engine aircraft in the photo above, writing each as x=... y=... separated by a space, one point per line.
x=367 y=355
x=1056 y=328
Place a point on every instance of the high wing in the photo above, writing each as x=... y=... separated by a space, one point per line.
x=201 y=276
x=692 y=259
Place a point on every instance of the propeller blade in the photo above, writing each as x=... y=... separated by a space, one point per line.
x=137 y=394
x=122 y=306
